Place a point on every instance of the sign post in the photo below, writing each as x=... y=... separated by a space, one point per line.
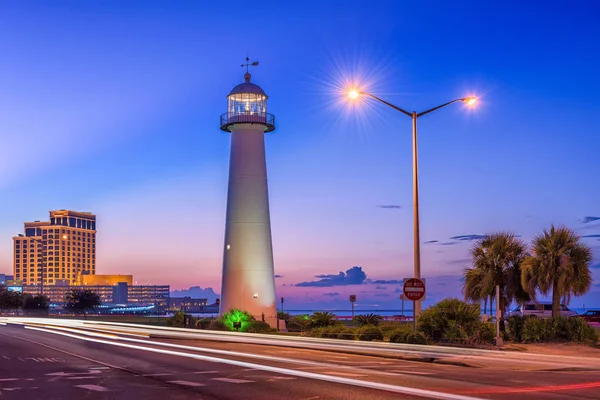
x=414 y=290
x=352 y=300
x=402 y=297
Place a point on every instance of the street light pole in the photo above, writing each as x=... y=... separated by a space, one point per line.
x=416 y=232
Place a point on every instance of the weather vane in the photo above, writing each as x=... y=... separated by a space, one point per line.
x=249 y=64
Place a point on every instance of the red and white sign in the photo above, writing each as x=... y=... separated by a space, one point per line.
x=414 y=289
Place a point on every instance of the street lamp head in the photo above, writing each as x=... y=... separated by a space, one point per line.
x=470 y=101
x=353 y=94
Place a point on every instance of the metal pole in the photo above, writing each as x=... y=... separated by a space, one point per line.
x=403 y=307
x=417 y=239
x=414 y=316
x=352 y=309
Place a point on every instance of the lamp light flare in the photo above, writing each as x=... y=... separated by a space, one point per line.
x=470 y=101
x=353 y=94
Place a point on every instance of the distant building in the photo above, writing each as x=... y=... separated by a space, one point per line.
x=86 y=279
x=188 y=304
x=121 y=293
x=4 y=278
x=57 y=250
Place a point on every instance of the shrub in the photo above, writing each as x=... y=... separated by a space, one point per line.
x=297 y=323
x=486 y=333
x=388 y=328
x=449 y=318
x=582 y=331
x=177 y=320
x=369 y=333
x=416 y=338
x=367 y=319
x=259 y=327
x=203 y=323
x=536 y=330
x=399 y=335
x=333 y=332
x=284 y=316
x=235 y=316
x=348 y=334
x=217 y=325
x=322 y=319
x=318 y=332
x=515 y=328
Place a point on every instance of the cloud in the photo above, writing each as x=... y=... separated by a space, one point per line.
x=331 y=294
x=448 y=243
x=380 y=288
x=353 y=276
x=381 y=295
x=278 y=276
x=468 y=238
x=594 y=236
x=595 y=266
x=588 y=219
x=390 y=206
x=431 y=241
x=387 y=281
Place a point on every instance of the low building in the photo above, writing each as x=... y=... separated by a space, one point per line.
x=106 y=280
x=188 y=304
x=5 y=278
x=121 y=293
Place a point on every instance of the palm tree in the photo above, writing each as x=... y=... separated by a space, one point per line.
x=497 y=260
x=560 y=264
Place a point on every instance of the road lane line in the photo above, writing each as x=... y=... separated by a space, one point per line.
x=95 y=388
x=231 y=380
x=303 y=374
x=187 y=383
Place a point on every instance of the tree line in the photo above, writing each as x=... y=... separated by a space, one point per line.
x=76 y=301
x=556 y=263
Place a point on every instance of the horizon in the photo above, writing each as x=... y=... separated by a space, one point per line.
x=114 y=109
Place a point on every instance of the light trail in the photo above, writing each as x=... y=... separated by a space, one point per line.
x=284 y=371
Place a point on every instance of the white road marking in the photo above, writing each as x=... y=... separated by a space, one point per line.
x=6 y=357
x=206 y=372
x=95 y=388
x=280 y=378
x=187 y=383
x=83 y=377
x=163 y=374
x=344 y=374
x=412 y=372
x=8 y=379
x=230 y=380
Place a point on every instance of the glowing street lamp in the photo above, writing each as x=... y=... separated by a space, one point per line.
x=469 y=101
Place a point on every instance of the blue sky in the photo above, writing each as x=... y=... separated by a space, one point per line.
x=112 y=107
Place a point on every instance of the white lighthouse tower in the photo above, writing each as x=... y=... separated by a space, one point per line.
x=248 y=273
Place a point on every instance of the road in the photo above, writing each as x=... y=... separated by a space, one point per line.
x=60 y=359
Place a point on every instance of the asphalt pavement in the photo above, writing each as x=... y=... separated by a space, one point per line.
x=45 y=361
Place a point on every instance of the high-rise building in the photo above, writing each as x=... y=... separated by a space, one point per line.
x=57 y=251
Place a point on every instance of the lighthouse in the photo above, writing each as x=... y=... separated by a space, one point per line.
x=248 y=272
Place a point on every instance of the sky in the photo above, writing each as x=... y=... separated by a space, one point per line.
x=113 y=107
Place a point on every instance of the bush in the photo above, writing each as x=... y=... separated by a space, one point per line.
x=322 y=319
x=536 y=330
x=582 y=331
x=388 y=328
x=177 y=320
x=259 y=327
x=367 y=319
x=416 y=338
x=317 y=332
x=486 y=333
x=217 y=325
x=515 y=328
x=449 y=319
x=235 y=316
x=369 y=333
x=400 y=335
x=297 y=323
x=203 y=323
x=348 y=334
x=333 y=332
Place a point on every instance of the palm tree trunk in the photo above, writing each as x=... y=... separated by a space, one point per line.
x=485 y=305
x=555 y=300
